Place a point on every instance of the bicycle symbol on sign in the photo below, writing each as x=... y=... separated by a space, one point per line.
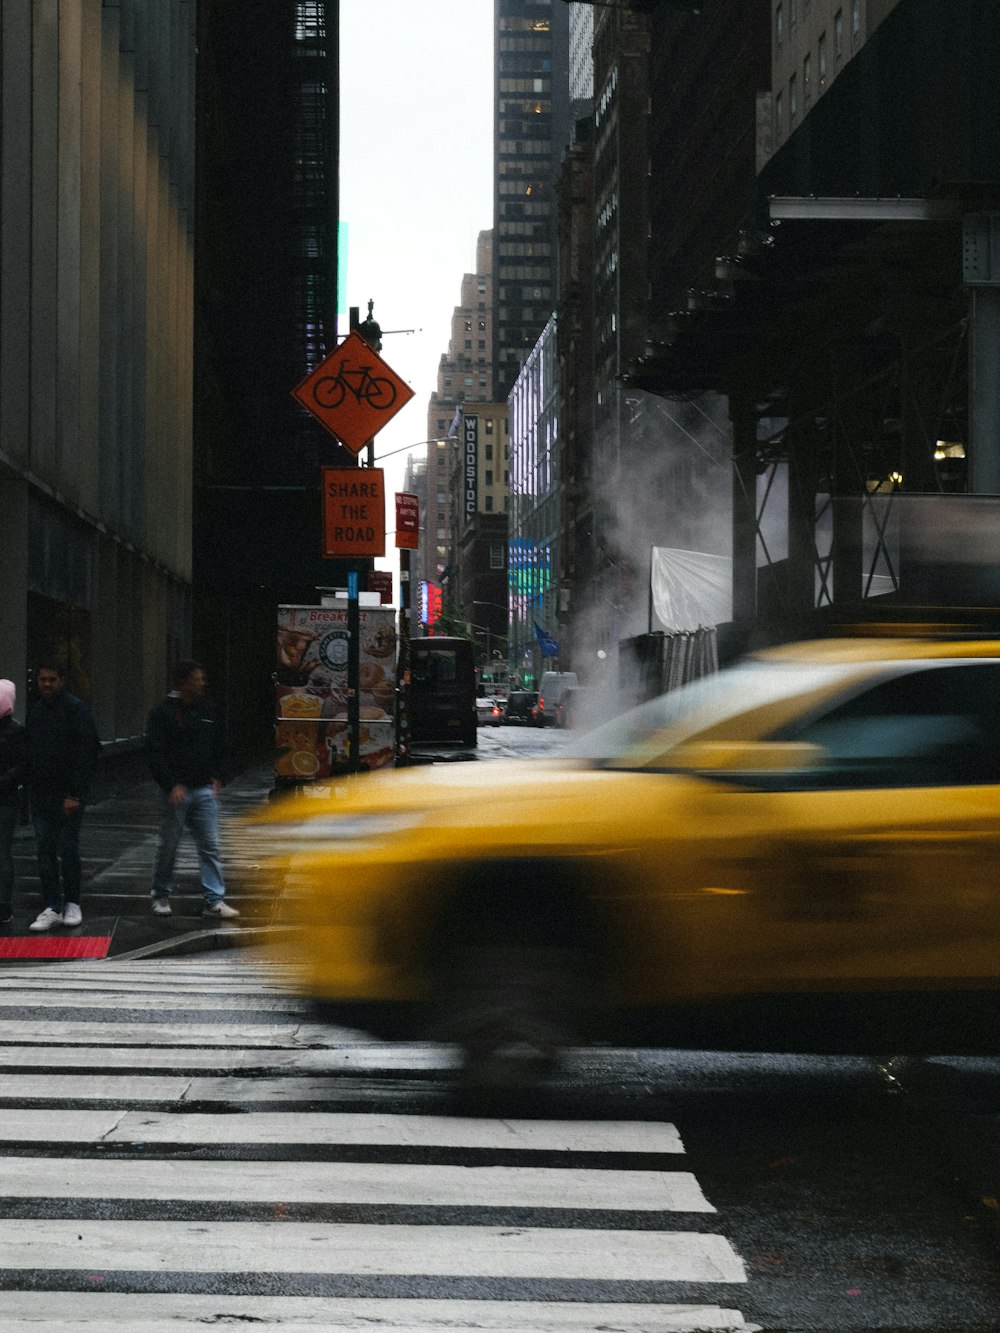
x=375 y=390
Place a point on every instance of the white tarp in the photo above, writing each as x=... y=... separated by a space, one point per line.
x=691 y=589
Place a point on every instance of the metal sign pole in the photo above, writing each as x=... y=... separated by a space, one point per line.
x=354 y=671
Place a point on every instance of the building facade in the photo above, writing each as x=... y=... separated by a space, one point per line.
x=534 y=556
x=266 y=315
x=97 y=175
x=476 y=587
x=532 y=129
x=465 y=375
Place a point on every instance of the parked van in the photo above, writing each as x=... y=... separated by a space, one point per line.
x=550 y=692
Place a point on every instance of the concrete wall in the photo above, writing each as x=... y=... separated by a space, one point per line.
x=96 y=302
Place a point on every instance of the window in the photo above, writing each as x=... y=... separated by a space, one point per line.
x=925 y=728
x=441 y=497
x=793 y=100
x=793 y=14
x=496 y=555
x=442 y=424
x=806 y=80
x=468 y=328
x=489 y=425
x=489 y=504
x=779 y=24
x=468 y=344
x=489 y=476
x=779 y=115
x=855 y=19
x=838 y=35
x=821 y=54
x=489 y=453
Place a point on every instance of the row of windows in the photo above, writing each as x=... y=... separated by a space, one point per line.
x=468 y=325
x=525 y=44
x=510 y=24
x=838 y=21
x=806 y=92
x=517 y=107
x=529 y=210
x=535 y=84
x=524 y=250
x=526 y=147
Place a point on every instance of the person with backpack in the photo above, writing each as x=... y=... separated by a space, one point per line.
x=62 y=754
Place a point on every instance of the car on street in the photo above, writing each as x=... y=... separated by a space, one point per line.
x=798 y=852
x=519 y=705
x=489 y=711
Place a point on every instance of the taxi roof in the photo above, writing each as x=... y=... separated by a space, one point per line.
x=877 y=649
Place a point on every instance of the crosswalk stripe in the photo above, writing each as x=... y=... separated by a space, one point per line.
x=70 y=1032
x=346 y=1248
x=83 y=1002
x=395 y=1059
x=99 y=1312
x=419 y=1228
x=331 y=1127
x=350 y=1182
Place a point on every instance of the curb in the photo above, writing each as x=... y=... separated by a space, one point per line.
x=202 y=941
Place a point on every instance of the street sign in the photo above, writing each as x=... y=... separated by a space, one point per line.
x=353 y=393
x=407 y=521
x=353 y=511
x=380 y=581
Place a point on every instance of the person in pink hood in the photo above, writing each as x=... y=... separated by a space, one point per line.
x=13 y=766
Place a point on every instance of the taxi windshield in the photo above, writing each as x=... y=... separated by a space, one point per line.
x=742 y=703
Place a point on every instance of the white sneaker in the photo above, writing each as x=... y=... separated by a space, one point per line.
x=72 y=916
x=161 y=907
x=46 y=919
x=220 y=909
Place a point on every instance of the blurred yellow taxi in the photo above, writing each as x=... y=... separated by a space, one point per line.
x=798 y=852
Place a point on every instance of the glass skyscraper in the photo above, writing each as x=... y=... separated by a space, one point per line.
x=532 y=132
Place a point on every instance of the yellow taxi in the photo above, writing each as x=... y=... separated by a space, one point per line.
x=800 y=851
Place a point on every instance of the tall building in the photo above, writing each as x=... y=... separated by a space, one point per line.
x=465 y=374
x=266 y=314
x=97 y=189
x=532 y=129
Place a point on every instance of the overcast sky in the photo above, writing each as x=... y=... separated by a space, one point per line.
x=416 y=181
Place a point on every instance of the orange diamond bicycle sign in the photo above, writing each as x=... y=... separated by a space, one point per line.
x=353 y=393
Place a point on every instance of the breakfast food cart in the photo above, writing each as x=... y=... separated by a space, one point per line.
x=312 y=692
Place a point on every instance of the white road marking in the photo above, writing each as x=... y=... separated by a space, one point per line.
x=89 y=1032
x=100 y=1312
x=352 y=1182
x=168 y=1057
x=299 y=1247
x=82 y=1001
x=320 y=1127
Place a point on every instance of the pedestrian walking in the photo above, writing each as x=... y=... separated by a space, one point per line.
x=62 y=753
x=184 y=744
x=13 y=771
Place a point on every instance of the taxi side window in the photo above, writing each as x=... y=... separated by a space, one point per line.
x=939 y=727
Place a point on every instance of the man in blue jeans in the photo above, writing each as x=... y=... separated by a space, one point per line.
x=184 y=744
x=62 y=753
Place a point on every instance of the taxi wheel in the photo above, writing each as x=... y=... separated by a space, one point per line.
x=511 y=1008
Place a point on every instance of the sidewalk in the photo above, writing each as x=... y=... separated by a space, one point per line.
x=117 y=846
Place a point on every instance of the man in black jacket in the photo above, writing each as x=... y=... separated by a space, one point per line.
x=184 y=744
x=62 y=752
